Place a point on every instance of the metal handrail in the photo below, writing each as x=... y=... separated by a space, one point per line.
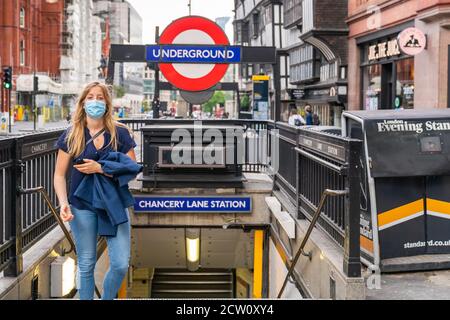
x=325 y=195
x=66 y=232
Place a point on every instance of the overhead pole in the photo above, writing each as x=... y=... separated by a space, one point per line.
x=156 y=104
x=190 y=7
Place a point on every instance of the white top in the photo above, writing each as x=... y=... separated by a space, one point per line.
x=295 y=117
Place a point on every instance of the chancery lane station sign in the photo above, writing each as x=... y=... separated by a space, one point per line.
x=183 y=204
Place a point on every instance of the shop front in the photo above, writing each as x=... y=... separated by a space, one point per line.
x=328 y=102
x=387 y=74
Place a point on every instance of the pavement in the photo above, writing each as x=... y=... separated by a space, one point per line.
x=432 y=285
x=28 y=126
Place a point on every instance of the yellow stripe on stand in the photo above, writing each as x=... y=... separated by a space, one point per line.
x=438 y=206
x=258 y=264
x=400 y=213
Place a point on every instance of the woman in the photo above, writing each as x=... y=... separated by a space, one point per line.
x=294 y=118
x=93 y=115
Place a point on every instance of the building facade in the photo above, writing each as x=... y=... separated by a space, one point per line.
x=124 y=26
x=81 y=46
x=317 y=55
x=311 y=41
x=259 y=23
x=30 y=33
x=382 y=75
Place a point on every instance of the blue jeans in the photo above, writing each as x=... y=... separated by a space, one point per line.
x=84 y=228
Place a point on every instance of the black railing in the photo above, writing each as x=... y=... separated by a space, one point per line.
x=310 y=161
x=285 y=178
x=26 y=161
x=7 y=248
x=328 y=161
x=256 y=139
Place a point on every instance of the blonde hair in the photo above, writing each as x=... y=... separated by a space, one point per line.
x=75 y=139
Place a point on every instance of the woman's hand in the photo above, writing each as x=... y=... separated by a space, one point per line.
x=66 y=213
x=89 y=167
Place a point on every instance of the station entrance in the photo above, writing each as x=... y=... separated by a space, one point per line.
x=215 y=263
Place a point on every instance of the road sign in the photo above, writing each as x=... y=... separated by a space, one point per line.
x=200 y=47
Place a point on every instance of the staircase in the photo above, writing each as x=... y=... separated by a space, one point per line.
x=178 y=283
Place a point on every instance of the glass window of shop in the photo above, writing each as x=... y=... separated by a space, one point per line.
x=372 y=87
x=405 y=84
x=387 y=76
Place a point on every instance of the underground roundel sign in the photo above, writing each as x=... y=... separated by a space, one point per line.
x=193 y=53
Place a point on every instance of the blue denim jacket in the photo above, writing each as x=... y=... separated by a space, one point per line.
x=109 y=197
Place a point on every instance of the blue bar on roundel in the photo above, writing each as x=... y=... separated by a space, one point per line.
x=193 y=54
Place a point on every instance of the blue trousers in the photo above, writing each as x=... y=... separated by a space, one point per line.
x=84 y=229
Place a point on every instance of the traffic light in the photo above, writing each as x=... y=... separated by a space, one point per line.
x=7 y=78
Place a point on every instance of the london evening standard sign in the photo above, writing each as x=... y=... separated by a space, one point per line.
x=155 y=204
x=193 y=54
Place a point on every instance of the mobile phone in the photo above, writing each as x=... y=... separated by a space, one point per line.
x=79 y=161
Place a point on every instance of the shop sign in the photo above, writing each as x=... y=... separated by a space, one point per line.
x=261 y=97
x=385 y=49
x=323 y=92
x=296 y=94
x=412 y=41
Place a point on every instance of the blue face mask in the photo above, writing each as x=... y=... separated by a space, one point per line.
x=95 y=109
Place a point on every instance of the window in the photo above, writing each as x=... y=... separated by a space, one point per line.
x=372 y=87
x=405 y=84
x=22 y=52
x=303 y=64
x=256 y=18
x=292 y=12
x=22 y=17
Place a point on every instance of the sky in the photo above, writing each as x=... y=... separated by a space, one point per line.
x=162 y=12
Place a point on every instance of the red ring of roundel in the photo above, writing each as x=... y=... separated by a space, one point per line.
x=190 y=23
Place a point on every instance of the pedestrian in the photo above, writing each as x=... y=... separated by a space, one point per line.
x=312 y=119
x=295 y=119
x=68 y=118
x=93 y=137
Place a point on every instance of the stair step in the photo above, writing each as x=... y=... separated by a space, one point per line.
x=190 y=291
x=184 y=295
x=191 y=282
x=158 y=277
x=208 y=283
x=192 y=274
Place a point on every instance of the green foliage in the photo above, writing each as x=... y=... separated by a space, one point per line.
x=119 y=91
x=146 y=106
x=217 y=98
x=245 y=103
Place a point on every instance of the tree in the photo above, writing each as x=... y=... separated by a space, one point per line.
x=245 y=103
x=217 y=98
x=119 y=91
x=146 y=106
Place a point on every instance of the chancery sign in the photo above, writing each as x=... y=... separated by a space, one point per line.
x=156 y=204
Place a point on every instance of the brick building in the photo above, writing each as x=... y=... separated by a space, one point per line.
x=30 y=31
x=381 y=75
